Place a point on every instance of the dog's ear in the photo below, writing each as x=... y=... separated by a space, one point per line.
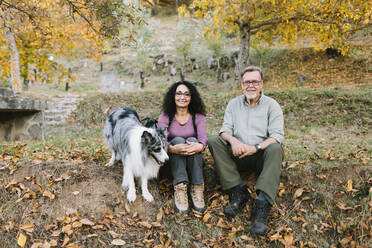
x=150 y=123
x=163 y=130
x=146 y=137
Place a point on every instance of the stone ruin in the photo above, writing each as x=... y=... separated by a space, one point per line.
x=20 y=118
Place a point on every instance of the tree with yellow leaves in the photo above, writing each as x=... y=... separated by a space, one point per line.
x=32 y=31
x=328 y=23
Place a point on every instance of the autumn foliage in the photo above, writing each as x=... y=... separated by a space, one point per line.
x=326 y=23
x=33 y=31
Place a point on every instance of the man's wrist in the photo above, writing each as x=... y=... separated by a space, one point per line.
x=258 y=147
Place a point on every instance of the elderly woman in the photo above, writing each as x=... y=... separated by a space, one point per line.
x=184 y=114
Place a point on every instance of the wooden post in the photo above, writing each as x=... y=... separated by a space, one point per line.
x=69 y=77
x=219 y=71
x=142 y=76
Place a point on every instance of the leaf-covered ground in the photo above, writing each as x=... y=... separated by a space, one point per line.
x=59 y=194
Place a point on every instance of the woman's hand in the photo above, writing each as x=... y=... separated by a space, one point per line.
x=190 y=148
x=193 y=147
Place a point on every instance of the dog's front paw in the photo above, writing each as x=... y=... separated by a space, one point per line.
x=109 y=164
x=148 y=197
x=131 y=195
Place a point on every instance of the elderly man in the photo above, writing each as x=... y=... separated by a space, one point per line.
x=250 y=140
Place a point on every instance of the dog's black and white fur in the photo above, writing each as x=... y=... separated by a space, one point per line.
x=141 y=149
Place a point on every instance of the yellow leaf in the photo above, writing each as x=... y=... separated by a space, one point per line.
x=288 y=237
x=206 y=217
x=77 y=224
x=349 y=185
x=22 y=240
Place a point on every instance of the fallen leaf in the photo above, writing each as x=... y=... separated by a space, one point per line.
x=145 y=224
x=321 y=176
x=37 y=245
x=288 y=237
x=56 y=233
x=35 y=207
x=345 y=241
x=98 y=227
x=127 y=208
x=67 y=229
x=222 y=224
x=349 y=185
x=276 y=236
x=232 y=233
x=27 y=227
x=65 y=220
x=118 y=242
x=115 y=235
x=53 y=243
x=72 y=246
x=22 y=240
x=87 y=222
x=298 y=193
x=246 y=238
x=206 y=217
x=77 y=224
x=65 y=240
x=159 y=216
x=49 y=194
x=108 y=215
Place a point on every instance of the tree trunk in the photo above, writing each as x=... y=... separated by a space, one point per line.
x=182 y=74
x=219 y=71
x=67 y=86
x=155 y=8
x=14 y=60
x=26 y=81
x=243 y=57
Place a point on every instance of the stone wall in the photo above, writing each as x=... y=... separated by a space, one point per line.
x=20 y=118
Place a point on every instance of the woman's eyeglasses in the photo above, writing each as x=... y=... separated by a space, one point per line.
x=185 y=94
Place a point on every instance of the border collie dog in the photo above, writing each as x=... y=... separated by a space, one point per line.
x=142 y=149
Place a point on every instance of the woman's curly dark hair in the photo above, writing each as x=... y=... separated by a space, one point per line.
x=196 y=105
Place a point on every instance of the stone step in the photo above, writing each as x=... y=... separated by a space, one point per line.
x=50 y=123
x=54 y=118
x=60 y=108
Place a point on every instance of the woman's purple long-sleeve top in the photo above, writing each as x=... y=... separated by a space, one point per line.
x=186 y=130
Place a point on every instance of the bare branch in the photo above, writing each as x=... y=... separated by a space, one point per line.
x=75 y=9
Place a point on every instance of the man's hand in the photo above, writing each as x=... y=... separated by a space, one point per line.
x=249 y=150
x=240 y=150
x=237 y=147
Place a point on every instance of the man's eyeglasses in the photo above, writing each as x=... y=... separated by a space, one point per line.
x=253 y=82
x=185 y=94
